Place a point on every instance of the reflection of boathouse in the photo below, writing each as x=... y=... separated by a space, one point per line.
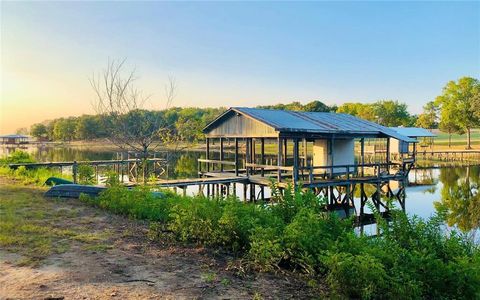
x=321 y=151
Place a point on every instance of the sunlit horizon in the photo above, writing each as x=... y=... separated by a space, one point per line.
x=233 y=54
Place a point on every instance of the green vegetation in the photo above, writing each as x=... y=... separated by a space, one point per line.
x=412 y=258
x=459 y=112
x=186 y=123
x=385 y=112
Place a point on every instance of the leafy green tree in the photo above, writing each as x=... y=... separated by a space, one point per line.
x=22 y=130
x=64 y=129
x=392 y=113
x=39 y=131
x=314 y=106
x=361 y=110
x=448 y=122
x=458 y=102
x=428 y=119
x=87 y=127
x=317 y=106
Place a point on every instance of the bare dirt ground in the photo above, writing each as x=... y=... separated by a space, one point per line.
x=85 y=253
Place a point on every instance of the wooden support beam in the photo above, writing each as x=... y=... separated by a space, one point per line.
x=221 y=153
x=362 y=154
x=207 y=152
x=245 y=192
x=262 y=153
x=388 y=155
x=74 y=171
x=248 y=154
x=305 y=152
x=236 y=156
x=279 y=159
x=295 y=162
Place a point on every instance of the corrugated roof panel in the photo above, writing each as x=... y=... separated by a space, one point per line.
x=413 y=131
x=316 y=122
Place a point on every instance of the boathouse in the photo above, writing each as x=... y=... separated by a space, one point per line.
x=14 y=139
x=322 y=151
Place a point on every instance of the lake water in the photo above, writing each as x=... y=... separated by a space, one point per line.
x=454 y=191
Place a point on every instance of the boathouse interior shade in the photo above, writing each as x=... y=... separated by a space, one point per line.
x=277 y=122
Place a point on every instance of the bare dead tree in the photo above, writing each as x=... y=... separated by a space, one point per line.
x=128 y=123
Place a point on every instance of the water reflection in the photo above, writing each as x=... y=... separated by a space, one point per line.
x=460 y=200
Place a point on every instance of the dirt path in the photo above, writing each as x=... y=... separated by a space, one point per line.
x=91 y=254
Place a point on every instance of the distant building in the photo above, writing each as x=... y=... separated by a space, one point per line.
x=400 y=147
x=14 y=139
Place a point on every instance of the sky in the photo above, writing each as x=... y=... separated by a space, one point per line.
x=233 y=53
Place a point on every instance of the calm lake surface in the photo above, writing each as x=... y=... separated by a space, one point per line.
x=451 y=191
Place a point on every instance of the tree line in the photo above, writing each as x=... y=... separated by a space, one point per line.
x=456 y=110
x=186 y=123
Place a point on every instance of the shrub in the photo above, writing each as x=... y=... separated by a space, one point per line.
x=356 y=276
x=196 y=219
x=237 y=222
x=310 y=234
x=266 y=249
x=86 y=174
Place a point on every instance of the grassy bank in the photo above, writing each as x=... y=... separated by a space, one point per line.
x=30 y=225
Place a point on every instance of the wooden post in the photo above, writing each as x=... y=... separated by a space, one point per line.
x=305 y=160
x=207 y=153
x=221 y=154
x=279 y=159
x=330 y=152
x=236 y=156
x=245 y=192
x=74 y=171
x=295 y=162
x=262 y=158
x=388 y=155
x=362 y=153
x=285 y=149
x=247 y=155
x=252 y=156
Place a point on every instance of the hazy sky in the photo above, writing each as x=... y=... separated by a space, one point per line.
x=233 y=54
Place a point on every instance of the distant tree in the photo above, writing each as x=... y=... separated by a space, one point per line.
x=50 y=126
x=364 y=111
x=428 y=118
x=458 y=102
x=448 y=121
x=22 y=130
x=39 y=131
x=88 y=127
x=317 y=106
x=121 y=105
x=64 y=129
x=392 y=113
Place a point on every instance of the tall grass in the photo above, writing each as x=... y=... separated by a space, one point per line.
x=413 y=258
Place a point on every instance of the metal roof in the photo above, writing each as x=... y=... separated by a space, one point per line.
x=413 y=132
x=313 y=122
x=14 y=136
